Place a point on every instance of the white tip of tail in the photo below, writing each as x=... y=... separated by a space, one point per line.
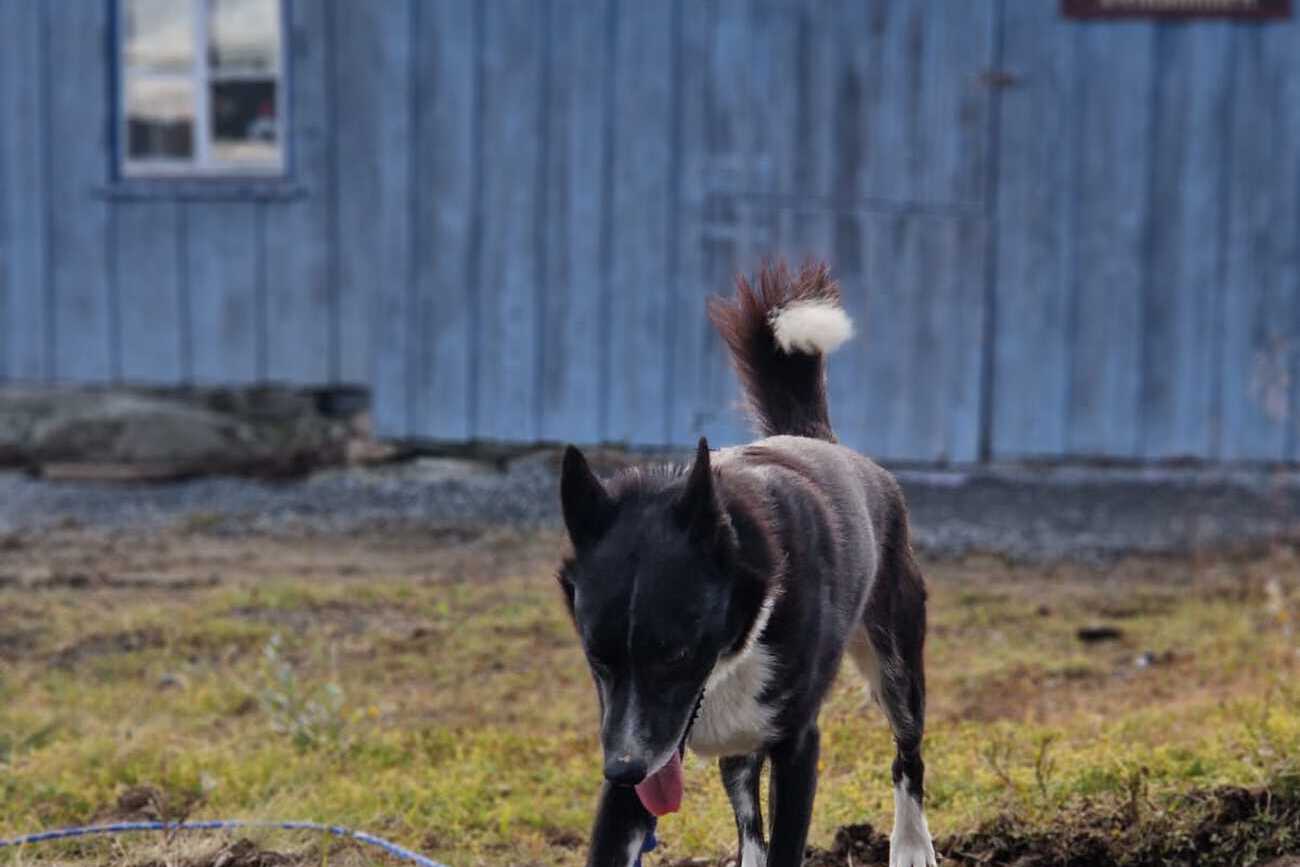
x=811 y=327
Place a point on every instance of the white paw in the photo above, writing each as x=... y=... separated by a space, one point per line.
x=910 y=844
x=911 y=852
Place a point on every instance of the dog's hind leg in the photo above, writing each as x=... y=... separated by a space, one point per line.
x=740 y=777
x=888 y=649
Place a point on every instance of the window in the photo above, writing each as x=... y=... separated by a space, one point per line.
x=201 y=88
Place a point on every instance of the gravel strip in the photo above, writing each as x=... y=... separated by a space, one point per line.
x=1037 y=514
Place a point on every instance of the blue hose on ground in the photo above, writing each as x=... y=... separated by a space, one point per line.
x=224 y=824
x=227 y=824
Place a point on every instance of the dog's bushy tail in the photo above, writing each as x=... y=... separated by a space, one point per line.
x=779 y=333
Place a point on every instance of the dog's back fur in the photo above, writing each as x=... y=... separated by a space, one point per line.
x=802 y=541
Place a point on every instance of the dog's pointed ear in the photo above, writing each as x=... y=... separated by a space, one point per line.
x=697 y=509
x=588 y=508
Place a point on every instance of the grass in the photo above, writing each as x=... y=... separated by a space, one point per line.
x=431 y=691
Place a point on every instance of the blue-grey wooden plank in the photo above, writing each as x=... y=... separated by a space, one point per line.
x=76 y=164
x=1183 y=269
x=148 y=238
x=921 y=335
x=906 y=388
x=509 y=268
x=848 y=370
x=880 y=140
x=817 y=90
x=800 y=67
x=896 y=93
x=446 y=165
x=1035 y=191
x=865 y=116
x=1113 y=131
x=299 y=266
x=916 y=65
x=794 y=75
x=7 y=113
x=23 y=81
x=837 y=61
x=640 y=220
x=713 y=113
x=741 y=162
x=1261 y=281
x=374 y=156
x=964 y=310
x=575 y=196
x=24 y=133
x=779 y=60
x=898 y=280
x=706 y=395
x=223 y=275
x=950 y=164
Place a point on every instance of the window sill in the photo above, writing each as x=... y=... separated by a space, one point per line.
x=201 y=190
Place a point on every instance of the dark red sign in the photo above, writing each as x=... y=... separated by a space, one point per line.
x=1176 y=8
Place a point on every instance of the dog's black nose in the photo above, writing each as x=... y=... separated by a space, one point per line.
x=624 y=770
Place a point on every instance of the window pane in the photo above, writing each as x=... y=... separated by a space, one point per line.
x=158 y=35
x=244 y=37
x=159 y=117
x=244 y=127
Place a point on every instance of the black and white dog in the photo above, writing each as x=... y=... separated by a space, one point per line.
x=715 y=603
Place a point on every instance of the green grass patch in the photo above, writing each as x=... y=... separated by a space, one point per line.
x=449 y=707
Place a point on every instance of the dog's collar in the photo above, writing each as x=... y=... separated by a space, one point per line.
x=695 y=714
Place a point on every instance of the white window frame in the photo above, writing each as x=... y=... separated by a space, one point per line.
x=201 y=164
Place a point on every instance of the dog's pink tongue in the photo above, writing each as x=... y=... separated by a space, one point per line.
x=661 y=792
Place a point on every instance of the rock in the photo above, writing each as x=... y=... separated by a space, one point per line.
x=20 y=409
x=365 y=451
x=171 y=680
x=127 y=428
x=137 y=804
x=1095 y=634
x=246 y=853
x=266 y=402
x=141 y=435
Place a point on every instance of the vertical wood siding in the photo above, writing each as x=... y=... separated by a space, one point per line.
x=576 y=120
x=225 y=279
x=298 y=244
x=377 y=145
x=1146 y=217
x=81 y=284
x=24 y=248
x=1057 y=239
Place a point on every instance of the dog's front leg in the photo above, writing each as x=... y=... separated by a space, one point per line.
x=790 y=796
x=621 y=827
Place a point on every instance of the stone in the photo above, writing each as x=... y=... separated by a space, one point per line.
x=139 y=434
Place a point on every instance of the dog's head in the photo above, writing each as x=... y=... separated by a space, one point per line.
x=661 y=585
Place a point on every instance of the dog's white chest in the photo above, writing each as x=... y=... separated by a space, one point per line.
x=733 y=721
